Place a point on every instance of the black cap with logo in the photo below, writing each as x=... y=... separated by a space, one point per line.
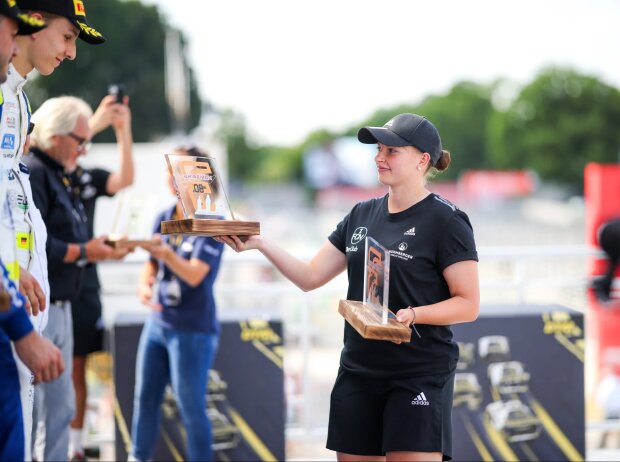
x=73 y=10
x=26 y=24
x=405 y=130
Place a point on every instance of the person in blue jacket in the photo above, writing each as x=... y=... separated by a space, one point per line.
x=180 y=339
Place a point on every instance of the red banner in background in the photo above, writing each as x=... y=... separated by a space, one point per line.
x=602 y=196
x=602 y=200
x=480 y=185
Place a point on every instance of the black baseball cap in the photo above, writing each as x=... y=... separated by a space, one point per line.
x=73 y=10
x=26 y=24
x=405 y=130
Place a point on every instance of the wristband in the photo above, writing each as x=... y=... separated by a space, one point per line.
x=413 y=322
x=413 y=311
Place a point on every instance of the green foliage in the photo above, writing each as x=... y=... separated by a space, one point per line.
x=554 y=126
x=461 y=116
x=134 y=55
x=557 y=124
x=243 y=158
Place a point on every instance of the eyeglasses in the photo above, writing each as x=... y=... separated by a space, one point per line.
x=83 y=143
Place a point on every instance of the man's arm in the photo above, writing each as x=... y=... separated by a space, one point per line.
x=40 y=356
x=124 y=176
x=111 y=113
x=32 y=292
x=37 y=353
x=15 y=322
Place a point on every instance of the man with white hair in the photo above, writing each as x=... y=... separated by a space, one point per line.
x=60 y=136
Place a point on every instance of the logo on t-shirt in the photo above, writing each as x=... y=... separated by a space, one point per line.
x=358 y=235
x=400 y=253
x=89 y=191
x=420 y=400
x=410 y=232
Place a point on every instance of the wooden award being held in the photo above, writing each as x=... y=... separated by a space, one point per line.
x=131 y=226
x=124 y=243
x=372 y=318
x=205 y=204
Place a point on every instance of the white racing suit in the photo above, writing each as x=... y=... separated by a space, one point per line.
x=21 y=222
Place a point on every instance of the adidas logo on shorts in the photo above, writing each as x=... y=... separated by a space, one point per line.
x=420 y=400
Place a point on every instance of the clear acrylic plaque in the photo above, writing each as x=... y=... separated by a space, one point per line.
x=198 y=185
x=377 y=278
x=133 y=218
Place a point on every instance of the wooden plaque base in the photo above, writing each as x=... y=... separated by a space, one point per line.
x=205 y=227
x=129 y=243
x=368 y=323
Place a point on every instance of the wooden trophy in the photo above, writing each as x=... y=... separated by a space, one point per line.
x=132 y=222
x=372 y=318
x=205 y=204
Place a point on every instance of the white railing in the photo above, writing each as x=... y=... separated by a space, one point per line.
x=248 y=286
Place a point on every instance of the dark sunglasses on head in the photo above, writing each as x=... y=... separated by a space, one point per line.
x=30 y=128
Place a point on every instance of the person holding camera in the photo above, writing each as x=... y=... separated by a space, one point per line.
x=93 y=183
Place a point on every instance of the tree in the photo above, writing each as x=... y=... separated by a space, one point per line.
x=134 y=55
x=557 y=124
x=462 y=116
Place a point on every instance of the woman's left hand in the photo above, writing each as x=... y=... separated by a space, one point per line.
x=405 y=316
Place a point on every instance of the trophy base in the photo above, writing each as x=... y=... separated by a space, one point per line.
x=123 y=243
x=367 y=322
x=206 y=227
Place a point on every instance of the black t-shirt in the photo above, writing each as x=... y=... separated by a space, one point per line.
x=65 y=219
x=91 y=184
x=423 y=240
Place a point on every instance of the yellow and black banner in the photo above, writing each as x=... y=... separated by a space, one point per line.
x=245 y=394
x=519 y=387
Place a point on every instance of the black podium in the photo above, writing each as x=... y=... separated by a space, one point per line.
x=245 y=394
x=519 y=388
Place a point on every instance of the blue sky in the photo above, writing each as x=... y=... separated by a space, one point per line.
x=291 y=67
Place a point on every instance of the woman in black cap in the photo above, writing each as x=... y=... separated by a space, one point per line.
x=395 y=400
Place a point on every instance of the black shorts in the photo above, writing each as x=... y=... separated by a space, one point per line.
x=87 y=322
x=371 y=416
